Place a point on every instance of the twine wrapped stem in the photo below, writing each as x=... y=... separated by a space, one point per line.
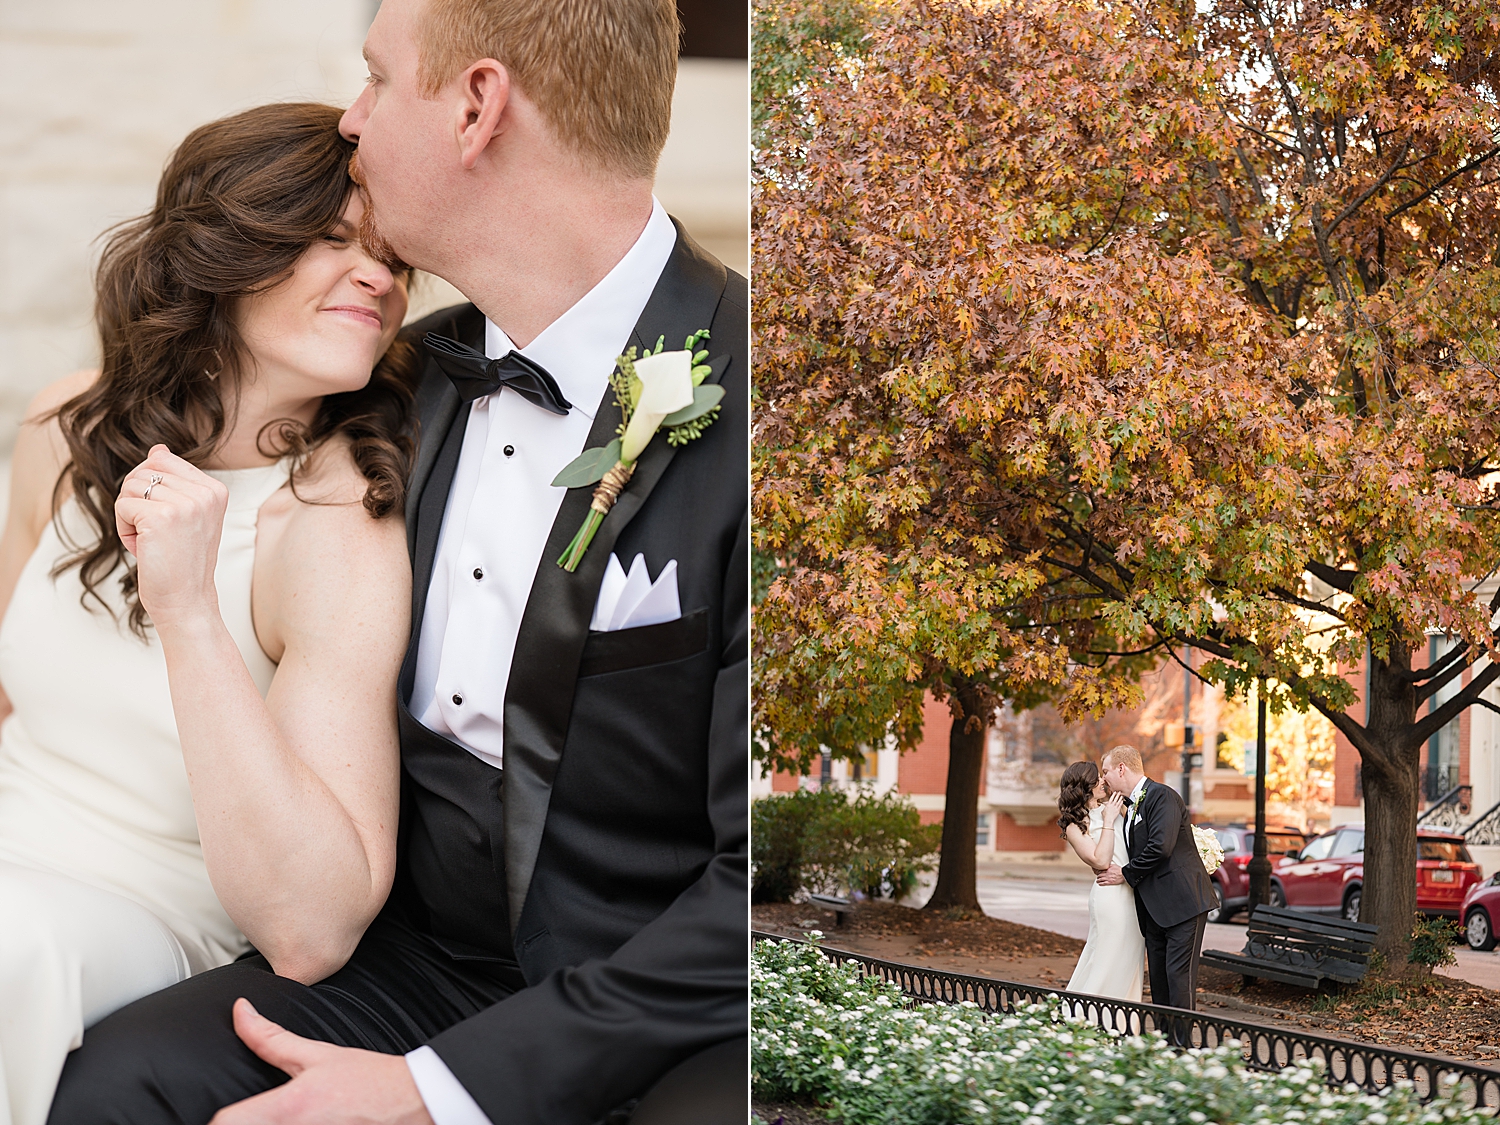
x=606 y=492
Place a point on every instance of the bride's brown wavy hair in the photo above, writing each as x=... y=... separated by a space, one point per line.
x=1077 y=789
x=239 y=202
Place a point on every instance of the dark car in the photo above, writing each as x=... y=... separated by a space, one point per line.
x=1328 y=875
x=1232 y=880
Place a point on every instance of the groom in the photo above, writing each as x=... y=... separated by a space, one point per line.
x=1173 y=894
x=567 y=931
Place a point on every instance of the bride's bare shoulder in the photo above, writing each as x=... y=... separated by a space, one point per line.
x=329 y=476
x=41 y=452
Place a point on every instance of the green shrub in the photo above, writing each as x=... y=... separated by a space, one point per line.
x=779 y=829
x=870 y=845
x=1432 y=942
x=867 y=1056
x=821 y=841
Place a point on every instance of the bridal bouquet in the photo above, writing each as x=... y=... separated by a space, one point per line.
x=1209 y=850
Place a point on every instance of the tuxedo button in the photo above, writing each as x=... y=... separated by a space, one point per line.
x=510 y=451
x=479 y=574
x=458 y=700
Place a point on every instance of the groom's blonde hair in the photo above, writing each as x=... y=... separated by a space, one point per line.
x=600 y=71
x=1124 y=755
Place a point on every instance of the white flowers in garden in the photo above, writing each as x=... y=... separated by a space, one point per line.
x=854 y=1046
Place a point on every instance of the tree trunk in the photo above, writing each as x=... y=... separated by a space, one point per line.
x=1389 y=894
x=956 y=875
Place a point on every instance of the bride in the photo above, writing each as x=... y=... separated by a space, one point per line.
x=1112 y=958
x=206 y=594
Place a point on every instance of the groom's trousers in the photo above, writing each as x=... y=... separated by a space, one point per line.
x=1172 y=957
x=172 y=1058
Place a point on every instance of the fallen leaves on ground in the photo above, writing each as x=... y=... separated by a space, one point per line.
x=957 y=932
x=1433 y=1015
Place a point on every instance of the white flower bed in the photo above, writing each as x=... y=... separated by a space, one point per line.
x=822 y=1032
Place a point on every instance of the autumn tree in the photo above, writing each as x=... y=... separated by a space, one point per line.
x=1086 y=331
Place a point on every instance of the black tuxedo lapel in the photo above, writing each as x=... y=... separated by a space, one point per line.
x=1137 y=823
x=555 y=625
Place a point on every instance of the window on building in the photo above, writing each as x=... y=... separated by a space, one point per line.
x=982 y=835
x=866 y=767
x=1442 y=748
x=1223 y=756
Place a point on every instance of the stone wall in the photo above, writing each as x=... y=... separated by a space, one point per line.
x=94 y=94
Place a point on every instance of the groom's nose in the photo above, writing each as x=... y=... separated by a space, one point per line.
x=353 y=121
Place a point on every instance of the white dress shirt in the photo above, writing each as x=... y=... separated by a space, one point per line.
x=502 y=505
x=500 y=510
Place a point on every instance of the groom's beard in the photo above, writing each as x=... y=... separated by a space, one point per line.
x=369 y=232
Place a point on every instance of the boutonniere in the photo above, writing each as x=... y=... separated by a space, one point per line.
x=658 y=391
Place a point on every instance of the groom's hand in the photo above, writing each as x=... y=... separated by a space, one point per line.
x=329 y=1084
x=1111 y=876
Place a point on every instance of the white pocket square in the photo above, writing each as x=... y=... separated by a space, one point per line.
x=628 y=601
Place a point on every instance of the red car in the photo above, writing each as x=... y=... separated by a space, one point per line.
x=1326 y=877
x=1232 y=880
x=1481 y=913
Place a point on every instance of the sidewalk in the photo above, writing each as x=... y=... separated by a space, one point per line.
x=1061 y=867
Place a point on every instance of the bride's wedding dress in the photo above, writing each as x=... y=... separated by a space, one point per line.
x=1112 y=960
x=103 y=893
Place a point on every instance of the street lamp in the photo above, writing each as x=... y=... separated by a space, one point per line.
x=1260 y=861
x=1190 y=759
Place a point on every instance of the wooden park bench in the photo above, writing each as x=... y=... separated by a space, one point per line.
x=839 y=906
x=1298 y=948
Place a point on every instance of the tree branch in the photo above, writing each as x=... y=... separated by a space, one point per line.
x=1475 y=163
x=1431 y=724
x=1332 y=575
x=1440 y=674
x=1358 y=201
x=1316 y=607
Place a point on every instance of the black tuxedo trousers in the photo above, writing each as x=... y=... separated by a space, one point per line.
x=568 y=930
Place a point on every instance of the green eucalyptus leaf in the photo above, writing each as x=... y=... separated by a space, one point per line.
x=589 y=466
x=704 y=400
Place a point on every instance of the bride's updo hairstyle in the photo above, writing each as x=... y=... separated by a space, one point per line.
x=1078 y=782
x=239 y=202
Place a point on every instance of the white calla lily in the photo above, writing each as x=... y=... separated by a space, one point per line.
x=666 y=387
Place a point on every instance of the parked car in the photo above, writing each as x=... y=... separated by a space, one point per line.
x=1328 y=875
x=1232 y=880
x=1481 y=913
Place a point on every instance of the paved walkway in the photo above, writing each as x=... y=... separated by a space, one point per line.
x=1059 y=901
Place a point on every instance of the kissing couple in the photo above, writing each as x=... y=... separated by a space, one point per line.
x=1151 y=893
x=369 y=757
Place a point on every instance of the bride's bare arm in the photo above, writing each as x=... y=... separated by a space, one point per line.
x=36 y=463
x=296 y=795
x=1098 y=854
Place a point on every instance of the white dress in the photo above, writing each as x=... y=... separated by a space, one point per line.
x=103 y=893
x=1112 y=958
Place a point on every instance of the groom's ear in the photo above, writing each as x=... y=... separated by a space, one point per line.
x=484 y=92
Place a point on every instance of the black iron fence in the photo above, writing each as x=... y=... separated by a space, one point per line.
x=1367 y=1066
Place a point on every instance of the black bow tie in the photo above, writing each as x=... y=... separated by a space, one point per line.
x=474 y=375
x=1128 y=801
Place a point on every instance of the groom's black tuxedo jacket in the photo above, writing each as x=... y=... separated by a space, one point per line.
x=1165 y=868
x=607 y=862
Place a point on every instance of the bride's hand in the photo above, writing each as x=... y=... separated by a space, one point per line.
x=170 y=515
x=1112 y=809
